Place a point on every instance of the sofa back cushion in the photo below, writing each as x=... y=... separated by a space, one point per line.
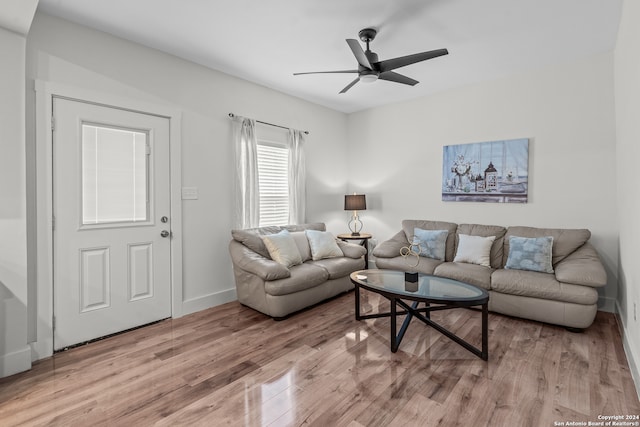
x=408 y=226
x=565 y=240
x=252 y=239
x=497 y=247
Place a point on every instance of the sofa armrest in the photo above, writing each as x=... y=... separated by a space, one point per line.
x=391 y=248
x=582 y=267
x=351 y=250
x=253 y=262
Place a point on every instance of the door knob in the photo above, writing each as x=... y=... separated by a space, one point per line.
x=164 y=233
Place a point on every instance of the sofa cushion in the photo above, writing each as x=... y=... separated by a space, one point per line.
x=530 y=253
x=430 y=243
x=351 y=250
x=323 y=245
x=339 y=267
x=541 y=285
x=474 y=249
x=252 y=237
x=472 y=274
x=408 y=226
x=485 y=231
x=303 y=276
x=565 y=240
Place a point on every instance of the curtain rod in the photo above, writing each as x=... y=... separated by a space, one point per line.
x=306 y=132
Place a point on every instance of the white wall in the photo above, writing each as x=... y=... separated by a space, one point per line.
x=566 y=112
x=65 y=53
x=14 y=351
x=627 y=93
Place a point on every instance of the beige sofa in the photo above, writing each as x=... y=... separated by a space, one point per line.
x=276 y=290
x=566 y=297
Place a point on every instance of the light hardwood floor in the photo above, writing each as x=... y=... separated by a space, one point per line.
x=230 y=365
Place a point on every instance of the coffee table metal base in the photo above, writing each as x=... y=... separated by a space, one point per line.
x=413 y=311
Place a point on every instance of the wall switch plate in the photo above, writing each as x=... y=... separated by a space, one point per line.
x=189 y=193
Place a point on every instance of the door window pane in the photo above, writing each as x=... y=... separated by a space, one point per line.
x=114 y=175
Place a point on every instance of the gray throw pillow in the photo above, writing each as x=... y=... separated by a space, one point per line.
x=530 y=253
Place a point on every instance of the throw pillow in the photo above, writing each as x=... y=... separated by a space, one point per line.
x=282 y=248
x=433 y=243
x=474 y=249
x=323 y=245
x=530 y=253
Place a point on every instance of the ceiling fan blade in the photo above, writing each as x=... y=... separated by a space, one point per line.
x=326 y=72
x=350 y=85
x=392 y=64
x=392 y=76
x=359 y=53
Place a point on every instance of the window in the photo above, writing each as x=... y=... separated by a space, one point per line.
x=273 y=181
x=114 y=175
x=270 y=175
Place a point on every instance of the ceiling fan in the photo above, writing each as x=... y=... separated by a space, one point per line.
x=370 y=69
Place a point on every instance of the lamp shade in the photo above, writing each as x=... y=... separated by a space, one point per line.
x=355 y=202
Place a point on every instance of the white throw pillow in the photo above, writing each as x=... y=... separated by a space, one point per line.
x=474 y=249
x=303 y=244
x=282 y=248
x=323 y=245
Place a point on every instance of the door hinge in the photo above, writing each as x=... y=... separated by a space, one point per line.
x=53 y=323
x=148 y=148
x=53 y=123
x=53 y=222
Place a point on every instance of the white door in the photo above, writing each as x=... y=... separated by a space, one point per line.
x=111 y=205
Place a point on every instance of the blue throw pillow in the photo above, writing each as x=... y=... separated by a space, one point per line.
x=432 y=243
x=530 y=253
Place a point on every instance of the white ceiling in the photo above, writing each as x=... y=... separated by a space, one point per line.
x=267 y=41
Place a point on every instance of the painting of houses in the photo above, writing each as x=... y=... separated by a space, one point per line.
x=494 y=171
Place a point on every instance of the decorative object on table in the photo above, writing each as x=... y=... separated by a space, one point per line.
x=355 y=202
x=411 y=285
x=413 y=250
x=411 y=277
x=494 y=171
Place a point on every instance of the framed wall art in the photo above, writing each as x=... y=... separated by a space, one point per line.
x=493 y=171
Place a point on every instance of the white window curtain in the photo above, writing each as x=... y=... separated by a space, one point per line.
x=247 y=209
x=297 y=177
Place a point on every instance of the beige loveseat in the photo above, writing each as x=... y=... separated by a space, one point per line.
x=277 y=290
x=567 y=296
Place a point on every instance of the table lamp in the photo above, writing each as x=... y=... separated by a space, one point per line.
x=355 y=202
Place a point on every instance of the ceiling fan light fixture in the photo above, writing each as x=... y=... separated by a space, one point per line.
x=368 y=78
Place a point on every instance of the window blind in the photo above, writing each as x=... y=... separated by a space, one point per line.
x=273 y=180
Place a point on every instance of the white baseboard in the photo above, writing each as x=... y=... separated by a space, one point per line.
x=13 y=363
x=634 y=364
x=208 y=301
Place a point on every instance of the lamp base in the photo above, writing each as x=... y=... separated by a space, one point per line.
x=355 y=233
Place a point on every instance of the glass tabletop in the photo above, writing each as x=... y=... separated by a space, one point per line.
x=427 y=287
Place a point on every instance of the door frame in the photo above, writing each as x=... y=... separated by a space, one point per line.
x=42 y=314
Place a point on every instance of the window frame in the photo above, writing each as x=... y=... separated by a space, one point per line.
x=280 y=213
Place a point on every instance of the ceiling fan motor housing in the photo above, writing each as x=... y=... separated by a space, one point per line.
x=367 y=34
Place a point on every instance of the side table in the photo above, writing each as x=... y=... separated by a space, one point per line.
x=364 y=237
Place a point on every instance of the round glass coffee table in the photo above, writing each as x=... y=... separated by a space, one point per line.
x=436 y=293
